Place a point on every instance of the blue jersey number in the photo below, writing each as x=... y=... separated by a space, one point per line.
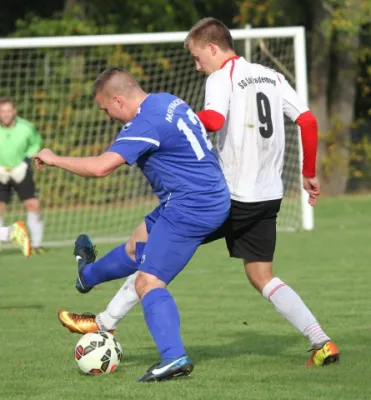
x=196 y=146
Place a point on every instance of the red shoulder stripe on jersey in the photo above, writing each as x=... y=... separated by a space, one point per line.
x=229 y=59
x=273 y=70
x=212 y=120
x=231 y=73
x=232 y=66
x=309 y=138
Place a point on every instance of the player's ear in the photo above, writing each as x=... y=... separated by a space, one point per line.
x=212 y=48
x=118 y=101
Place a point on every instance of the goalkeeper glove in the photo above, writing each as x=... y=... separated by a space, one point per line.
x=18 y=173
x=4 y=175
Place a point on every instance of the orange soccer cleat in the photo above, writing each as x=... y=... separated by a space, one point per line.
x=326 y=353
x=19 y=236
x=79 y=323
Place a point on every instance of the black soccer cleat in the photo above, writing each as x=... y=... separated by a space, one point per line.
x=38 y=250
x=168 y=369
x=84 y=249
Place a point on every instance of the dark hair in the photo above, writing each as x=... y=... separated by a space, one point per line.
x=6 y=100
x=108 y=74
x=210 y=30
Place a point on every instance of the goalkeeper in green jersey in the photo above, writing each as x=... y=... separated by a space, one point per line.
x=18 y=141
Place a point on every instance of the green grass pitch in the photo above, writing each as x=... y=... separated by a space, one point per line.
x=241 y=348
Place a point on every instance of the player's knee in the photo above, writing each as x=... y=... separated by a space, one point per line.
x=32 y=205
x=258 y=273
x=146 y=282
x=141 y=284
x=139 y=235
x=2 y=208
x=130 y=248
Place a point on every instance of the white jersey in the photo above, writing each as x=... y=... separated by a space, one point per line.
x=253 y=99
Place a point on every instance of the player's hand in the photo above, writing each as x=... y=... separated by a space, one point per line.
x=44 y=156
x=4 y=175
x=313 y=188
x=19 y=172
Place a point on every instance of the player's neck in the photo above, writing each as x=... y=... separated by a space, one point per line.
x=8 y=126
x=230 y=55
x=141 y=97
x=137 y=101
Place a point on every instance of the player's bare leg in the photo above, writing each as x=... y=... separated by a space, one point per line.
x=288 y=304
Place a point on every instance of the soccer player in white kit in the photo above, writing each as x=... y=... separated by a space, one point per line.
x=246 y=104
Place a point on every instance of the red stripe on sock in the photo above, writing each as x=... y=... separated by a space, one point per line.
x=311 y=327
x=315 y=332
x=275 y=289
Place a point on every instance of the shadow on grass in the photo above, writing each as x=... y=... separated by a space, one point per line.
x=10 y=251
x=15 y=307
x=242 y=343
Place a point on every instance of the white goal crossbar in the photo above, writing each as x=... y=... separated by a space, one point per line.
x=286 y=51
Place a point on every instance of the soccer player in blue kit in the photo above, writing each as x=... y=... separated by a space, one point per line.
x=164 y=137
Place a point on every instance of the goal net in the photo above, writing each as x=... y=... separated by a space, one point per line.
x=51 y=79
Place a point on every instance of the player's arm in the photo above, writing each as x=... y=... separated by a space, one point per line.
x=212 y=120
x=309 y=139
x=34 y=143
x=98 y=166
x=217 y=95
x=18 y=173
x=130 y=144
x=298 y=112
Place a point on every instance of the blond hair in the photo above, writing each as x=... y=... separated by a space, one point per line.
x=210 y=30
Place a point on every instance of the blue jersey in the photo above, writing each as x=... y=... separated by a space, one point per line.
x=170 y=145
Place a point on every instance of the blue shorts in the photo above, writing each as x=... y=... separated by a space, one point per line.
x=172 y=241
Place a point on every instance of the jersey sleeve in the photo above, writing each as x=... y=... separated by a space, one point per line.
x=293 y=105
x=309 y=140
x=212 y=120
x=218 y=92
x=34 y=142
x=134 y=140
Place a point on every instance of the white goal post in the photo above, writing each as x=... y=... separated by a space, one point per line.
x=50 y=79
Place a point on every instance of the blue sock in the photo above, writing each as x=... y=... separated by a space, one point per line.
x=114 y=265
x=162 y=317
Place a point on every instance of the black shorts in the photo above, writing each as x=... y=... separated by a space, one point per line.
x=250 y=230
x=26 y=189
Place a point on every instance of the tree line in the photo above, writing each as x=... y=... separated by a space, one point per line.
x=338 y=52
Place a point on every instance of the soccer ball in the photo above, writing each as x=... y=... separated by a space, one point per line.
x=98 y=353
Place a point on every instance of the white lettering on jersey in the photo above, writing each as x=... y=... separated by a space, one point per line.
x=253 y=99
x=171 y=109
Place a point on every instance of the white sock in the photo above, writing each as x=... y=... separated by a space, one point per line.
x=36 y=226
x=4 y=233
x=125 y=300
x=291 y=306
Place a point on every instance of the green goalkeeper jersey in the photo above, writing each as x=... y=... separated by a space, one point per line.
x=18 y=142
